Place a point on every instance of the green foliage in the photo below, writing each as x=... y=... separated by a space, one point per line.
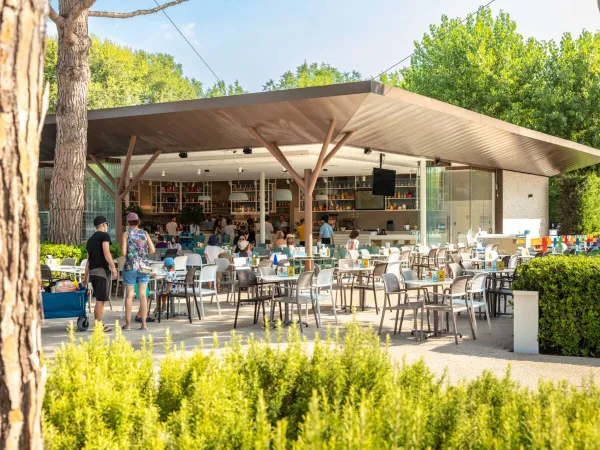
x=578 y=202
x=120 y=76
x=569 y=288
x=79 y=252
x=311 y=75
x=344 y=393
x=192 y=214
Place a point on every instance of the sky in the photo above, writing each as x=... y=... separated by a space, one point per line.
x=255 y=40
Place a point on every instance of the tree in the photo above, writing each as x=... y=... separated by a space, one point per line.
x=311 y=75
x=22 y=111
x=73 y=74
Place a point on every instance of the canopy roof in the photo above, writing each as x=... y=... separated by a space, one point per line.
x=387 y=119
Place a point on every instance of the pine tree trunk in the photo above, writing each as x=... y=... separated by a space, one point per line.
x=68 y=176
x=22 y=29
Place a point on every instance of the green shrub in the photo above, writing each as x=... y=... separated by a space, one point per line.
x=344 y=393
x=577 y=202
x=79 y=252
x=569 y=302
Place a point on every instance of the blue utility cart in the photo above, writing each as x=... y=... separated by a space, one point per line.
x=63 y=305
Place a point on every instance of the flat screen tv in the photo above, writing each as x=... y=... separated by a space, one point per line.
x=366 y=200
x=384 y=182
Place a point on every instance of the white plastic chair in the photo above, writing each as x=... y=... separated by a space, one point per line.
x=353 y=254
x=119 y=280
x=324 y=282
x=181 y=264
x=477 y=288
x=208 y=274
x=239 y=261
x=364 y=253
x=393 y=258
x=194 y=259
x=394 y=250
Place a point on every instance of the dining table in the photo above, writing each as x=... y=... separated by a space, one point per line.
x=435 y=285
x=356 y=273
x=286 y=281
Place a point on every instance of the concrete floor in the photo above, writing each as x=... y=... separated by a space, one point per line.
x=467 y=360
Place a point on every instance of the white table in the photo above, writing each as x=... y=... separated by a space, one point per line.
x=435 y=285
x=494 y=274
x=355 y=272
x=276 y=279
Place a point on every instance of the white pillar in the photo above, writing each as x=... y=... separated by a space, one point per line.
x=526 y=322
x=423 y=201
x=262 y=208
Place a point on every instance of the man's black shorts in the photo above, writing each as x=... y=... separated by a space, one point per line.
x=102 y=287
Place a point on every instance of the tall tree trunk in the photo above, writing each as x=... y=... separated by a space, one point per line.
x=68 y=176
x=22 y=110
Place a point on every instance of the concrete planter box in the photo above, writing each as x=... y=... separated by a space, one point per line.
x=526 y=322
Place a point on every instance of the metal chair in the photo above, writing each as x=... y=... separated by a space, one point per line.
x=171 y=253
x=208 y=274
x=441 y=258
x=429 y=262
x=194 y=259
x=303 y=295
x=68 y=262
x=478 y=288
x=188 y=283
x=373 y=283
x=404 y=259
x=226 y=275
x=247 y=281
x=455 y=270
x=324 y=282
x=120 y=266
x=392 y=286
x=445 y=302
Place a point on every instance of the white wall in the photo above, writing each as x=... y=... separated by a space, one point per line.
x=521 y=212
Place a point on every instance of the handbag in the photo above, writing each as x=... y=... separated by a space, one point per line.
x=144 y=268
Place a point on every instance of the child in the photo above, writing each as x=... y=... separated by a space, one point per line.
x=170 y=278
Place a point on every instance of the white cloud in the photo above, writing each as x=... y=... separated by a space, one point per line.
x=189 y=30
x=168 y=36
x=165 y=26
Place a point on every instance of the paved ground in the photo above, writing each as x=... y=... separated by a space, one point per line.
x=466 y=360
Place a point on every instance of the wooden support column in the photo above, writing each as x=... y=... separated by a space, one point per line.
x=308 y=213
x=121 y=184
x=118 y=215
x=101 y=182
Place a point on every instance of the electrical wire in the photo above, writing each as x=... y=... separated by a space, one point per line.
x=409 y=56
x=189 y=43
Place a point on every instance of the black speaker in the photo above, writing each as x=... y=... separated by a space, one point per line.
x=384 y=182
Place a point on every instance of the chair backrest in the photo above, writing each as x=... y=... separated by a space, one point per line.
x=171 y=253
x=194 y=259
x=227 y=256
x=222 y=264
x=405 y=248
x=478 y=283
x=432 y=257
x=495 y=247
x=455 y=269
x=459 y=285
x=390 y=283
x=239 y=261
x=208 y=273
x=464 y=256
x=246 y=278
x=434 y=246
x=83 y=263
x=341 y=252
x=265 y=263
x=409 y=275
x=190 y=275
x=467 y=265
x=262 y=251
x=394 y=257
x=305 y=280
x=380 y=268
x=532 y=251
x=394 y=250
x=46 y=272
x=180 y=262
x=365 y=253
x=226 y=239
x=353 y=254
x=455 y=257
x=345 y=263
x=442 y=252
x=405 y=255
x=506 y=260
x=324 y=278
x=266 y=271
x=156 y=267
x=539 y=254
x=494 y=255
x=461 y=245
x=120 y=262
x=283 y=262
x=68 y=262
x=502 y=253
x=394 y=268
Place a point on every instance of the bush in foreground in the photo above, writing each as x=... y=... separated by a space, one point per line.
x=569 y=301
x=343 y=394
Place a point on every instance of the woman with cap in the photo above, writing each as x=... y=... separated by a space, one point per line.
x=136 y=244
x=212 y=250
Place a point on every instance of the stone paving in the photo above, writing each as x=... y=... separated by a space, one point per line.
x=466 y=360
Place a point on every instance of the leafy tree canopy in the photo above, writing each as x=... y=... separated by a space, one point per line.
x=308 y=75
x=124 y=77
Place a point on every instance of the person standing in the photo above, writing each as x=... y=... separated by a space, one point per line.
x=229 y=230
x=300 y=232
x=326 y=231
x=136 y=245
x=172 y=226
x=100 y=266
x=268 y=230
x=353 y=243
x=281 y=225
x=251 y=231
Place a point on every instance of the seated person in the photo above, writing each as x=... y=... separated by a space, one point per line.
x=242 y=232
x=212 y=250
x=170 y=278
x=290 y=242
x=161 y=242
x=176 y=244
x=280 y=241
x=243 y=248
x=352 y=243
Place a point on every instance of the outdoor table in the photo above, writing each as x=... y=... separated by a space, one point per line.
x=494 y=276
x=525 y=258
x=435 y=285
x=474 y=261
x=276 y=279
x=356 y=272
x=78 y=271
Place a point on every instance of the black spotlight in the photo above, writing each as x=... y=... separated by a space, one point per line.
x=368 y=151
x=247 y=151
x=183 y=155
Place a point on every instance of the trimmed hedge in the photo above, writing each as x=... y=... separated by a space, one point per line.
x=79 y=252
x=569 y=302
x=345 y=394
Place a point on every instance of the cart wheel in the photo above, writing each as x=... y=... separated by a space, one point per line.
x=83 y=324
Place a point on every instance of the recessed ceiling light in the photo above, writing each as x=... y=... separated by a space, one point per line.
x=199 y=171
x=164 y=173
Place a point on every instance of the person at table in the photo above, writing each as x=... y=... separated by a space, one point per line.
x=353 y=243
x=229 y=230
x=242 y=248
x=170 y=278
x=300 y=232
x=280 y=241
x=212 y=250
x=281 y=224
x=251 y=231
x=136 y=245
x=172 y=226
x=290 y=242
x=161 y=242
x=209 y=223
x=325 y=231
x=241 y=234
x=100 y=267
x=176 y=244
x=268 y=230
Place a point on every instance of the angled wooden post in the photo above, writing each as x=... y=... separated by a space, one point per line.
x=324 y=149
x=337 y=147
x=140 y=174
x=126 y=165
x=101 y=182
x=103 y=169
